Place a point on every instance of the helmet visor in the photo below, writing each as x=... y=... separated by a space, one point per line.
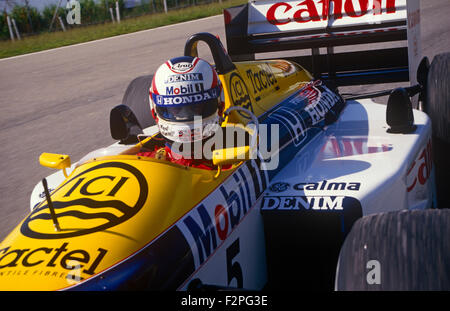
x=184 y=113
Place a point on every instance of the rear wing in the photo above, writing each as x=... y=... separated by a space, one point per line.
x=322 y=25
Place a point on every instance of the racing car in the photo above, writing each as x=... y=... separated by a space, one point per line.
x=332 y=191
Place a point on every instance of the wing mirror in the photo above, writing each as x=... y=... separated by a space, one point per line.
x=124 y=125
x=399 y=113
x=56 y=161
x=422 y=79
x=422 y=71
x=231 y=155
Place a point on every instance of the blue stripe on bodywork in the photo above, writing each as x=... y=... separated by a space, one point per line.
x=295 y=107
x=162 y=265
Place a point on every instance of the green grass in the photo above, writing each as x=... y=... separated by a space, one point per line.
x=52 y=40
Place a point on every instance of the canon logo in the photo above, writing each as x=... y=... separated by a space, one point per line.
x=282 y=13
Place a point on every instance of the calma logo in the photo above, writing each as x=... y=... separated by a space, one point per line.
x=74 y=12
x=99 y=198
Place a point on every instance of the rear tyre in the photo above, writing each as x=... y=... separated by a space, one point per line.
x=437 y=106
x=137 y=98
x=402 y=250
x=438 y=96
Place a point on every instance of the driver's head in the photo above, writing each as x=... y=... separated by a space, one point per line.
x=184 y=91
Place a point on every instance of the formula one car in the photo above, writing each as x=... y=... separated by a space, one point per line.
x=338 y=192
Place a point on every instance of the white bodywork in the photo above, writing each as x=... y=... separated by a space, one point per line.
x=357 y=149
x=390 y=172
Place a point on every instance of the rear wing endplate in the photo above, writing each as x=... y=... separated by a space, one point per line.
x=322 y=25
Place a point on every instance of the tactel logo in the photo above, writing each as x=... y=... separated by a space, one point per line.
x=97 y=198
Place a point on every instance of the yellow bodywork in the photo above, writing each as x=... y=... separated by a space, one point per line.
x=54 y=160
x=111 y=207
x=258 y=85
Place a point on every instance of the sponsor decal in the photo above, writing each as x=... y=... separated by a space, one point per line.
x=315 y=203
x=262 y=79
x=239 y=93
x=286 y=67
x=339 y=211
x=187 y=77
x=337 y=147
x=311 y=92
x=42 y=194
x=305 y=15
x=279 y=187
x=305 y=11
x=316 y=186
x=176 y=97
x=43 y=260
x=320 y=101
x=182 y=67
x=297 y=125
x=93 y=197
x=212 y=221
x=185 y=89
x=420 y=170
x=294 y=123
x=326 y=185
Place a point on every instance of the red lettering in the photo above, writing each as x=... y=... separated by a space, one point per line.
x=336 y=149
x=325 y=8
x=310 y=9
x=350 y=9
x=377 y=7
x=222 y=232
x=337 y=8
x=348 y=148
x=359 y=144
x=271 y=14
x=425 y=168
x=430 y=157
x=390 y=6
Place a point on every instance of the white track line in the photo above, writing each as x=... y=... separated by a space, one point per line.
x=109 y=38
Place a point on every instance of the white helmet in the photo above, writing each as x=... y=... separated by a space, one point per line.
x=184 y=91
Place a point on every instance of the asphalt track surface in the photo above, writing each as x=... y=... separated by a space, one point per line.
x=59 y=100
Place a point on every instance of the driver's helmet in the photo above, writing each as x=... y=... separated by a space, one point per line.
x=184 y=91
